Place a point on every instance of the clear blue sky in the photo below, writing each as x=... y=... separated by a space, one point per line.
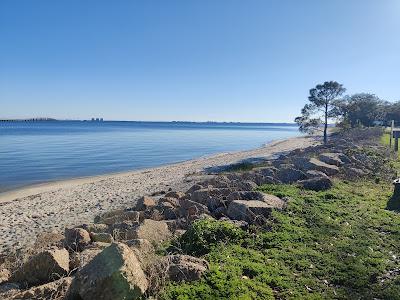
x=191 y=60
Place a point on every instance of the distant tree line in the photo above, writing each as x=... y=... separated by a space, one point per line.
x=327 y=103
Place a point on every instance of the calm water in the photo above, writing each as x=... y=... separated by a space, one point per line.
x=36 y=152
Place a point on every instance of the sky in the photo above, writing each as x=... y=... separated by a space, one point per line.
x=209 y=60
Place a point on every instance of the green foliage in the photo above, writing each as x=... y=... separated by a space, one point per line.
x=337 y=244
x=363 y=109
x=322 y=107
x=203 y=235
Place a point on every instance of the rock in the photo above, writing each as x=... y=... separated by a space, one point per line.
x=274 y=201
x=194 y=188
x=313 y=174
x=43 y=267
x=220 y=181
x=246 y=185
x=144 y=203
x=174 y=202
x=245 y=195
x=254 y=176
x=119 y=216
x=202 y=196
x=269 y=180
x=186 y=268
x=176 y=195
x=143 y=249
x=76 y=239
x=95 y=227
x=102 y=237
x=352 y=172
x=79 y=259
x=344 y=158
x=316 y=184
x=331 y=159
x=315 y=164
x=98 y=245
x=176 y=224
x=123 y=230
x=255 y=195
x=179 y=232
x=53 y=290
x=269 y=171
x=48 y=240
x=165 y=210
x=4 y=275
x=153 y=231
x=220 y=212
x=189 y=207
x=251 y=211
x=115 y=273
x=290 y=175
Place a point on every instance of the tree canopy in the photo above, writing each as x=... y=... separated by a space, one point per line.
x=322 y=107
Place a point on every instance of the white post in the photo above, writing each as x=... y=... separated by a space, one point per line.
x=391 y=134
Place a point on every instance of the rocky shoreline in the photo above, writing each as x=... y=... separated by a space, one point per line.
x=114 y=256
x=52 y=207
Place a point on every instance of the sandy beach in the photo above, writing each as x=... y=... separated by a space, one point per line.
x=53 y=206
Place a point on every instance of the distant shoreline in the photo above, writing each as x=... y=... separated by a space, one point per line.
x=136 y=121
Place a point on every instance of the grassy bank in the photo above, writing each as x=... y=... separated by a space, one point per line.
x=339 y=244
x=386 y=140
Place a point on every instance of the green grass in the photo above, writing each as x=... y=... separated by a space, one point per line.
x=337 y=244
x=385 y=139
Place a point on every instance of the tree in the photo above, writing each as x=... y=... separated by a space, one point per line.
x=393 y=112
x=363 y=109
x=322 y=107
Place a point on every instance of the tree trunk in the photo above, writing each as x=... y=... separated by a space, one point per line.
x=326 y=125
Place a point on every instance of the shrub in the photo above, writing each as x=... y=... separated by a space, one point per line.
x=205 y=234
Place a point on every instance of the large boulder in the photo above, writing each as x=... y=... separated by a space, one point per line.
x=271 y=200
x=44 y=267
x=314 y=173
x=315 y=164
x=143 y=249
x=289 y=174
x=316 y=183
x=76 y=239
x=251 y=211
x=153 y=231
x=331 y=159
x=115 y=273
x=53 y=290
x=185 y=268
x=80 y=259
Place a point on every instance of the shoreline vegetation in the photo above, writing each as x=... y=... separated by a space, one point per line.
x=314 y=222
